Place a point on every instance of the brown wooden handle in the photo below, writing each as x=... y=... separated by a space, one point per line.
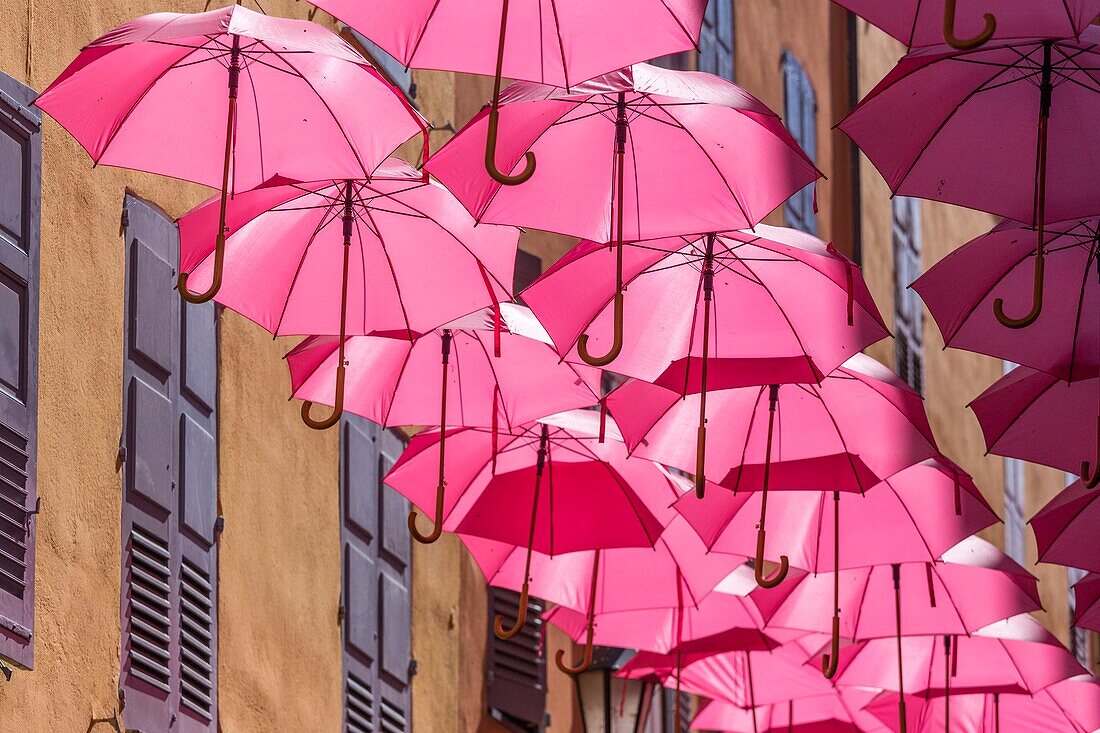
x=1036 y=301
x=338 y=408
x=437 y=530
x=583 y=665
x=521 y=619
x=491 y=155
x=617 y=343
x=215 y=281
x=830 y=661
x=777 y=577
x=903 y=724
x=700 y=461
x=1090 y=478
x=965 y=44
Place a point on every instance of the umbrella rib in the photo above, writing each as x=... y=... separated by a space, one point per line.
x=1019 y=414
x=1093 y=251
x=461 y=391
x=492 y=368
x=561 y=43
x=691 y=331
x=321 y=224
x=420 y=36
x=259 y=129
x=820 y=524
x=862 y=600
x=400 y=375
x=680 y=23
x=389 y=264
x=954 y=606
x=905 y=507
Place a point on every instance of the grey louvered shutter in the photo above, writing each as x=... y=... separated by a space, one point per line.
x=800 y=116
x=20 y=219
x=377 y=608
x=517 y=666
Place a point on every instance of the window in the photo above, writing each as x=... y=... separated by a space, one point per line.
x=715 y=55
x=20 y=218
x=527 y=270
x=1078 y=637
x=376 y=608
x=393 y=69
x=908 y=313
x=800 y=116
x=169 y=459
x=516 y=667
x=662 y=712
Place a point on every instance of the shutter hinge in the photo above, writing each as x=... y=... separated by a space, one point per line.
x=121 y=453
x=219 y=527
x=412 y=668
x=5 y=670
x=341 y=613
x=124 y=222
x=28 y=513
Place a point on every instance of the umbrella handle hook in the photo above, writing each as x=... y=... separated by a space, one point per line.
x=215 y=281
x=830 y=661
x=338 y=408
x=779 y=575
x=437 y=530
x=521 y=618
x=586 y=660
x=1037 y=301
x=617 y=344
x=965 y=44
x=491 y=154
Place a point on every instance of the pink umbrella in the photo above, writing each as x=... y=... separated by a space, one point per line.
x=997 y=265
x=642 y=153
x=837 y=712
x=904 y=519
x=1065 y=529
x=596 y=498
x=932 y=22
x=149 y=95
x=340 y=257
x=1036 y=417
x=1070 y=706
x=740 y=308
x=560 y=43
x=600 y=589
x=1020 y=108
x=861 y=424
x=1087 y=599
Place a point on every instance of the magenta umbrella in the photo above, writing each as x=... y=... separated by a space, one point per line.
x=997 y=265
x=602 y=587
x=1087 y=599
x=1065 y=529
x=840 y=711
x=596 y=498
x=392 y=255
x=642 y=153
x=860 y=425
x=1036 y=417
x=1005 y=128
x=932 y=22
x=229 y=98
x=729 y=310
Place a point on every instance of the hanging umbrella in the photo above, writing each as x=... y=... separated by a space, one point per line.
x=861 y=424
x=1065 y=529
x=1070 y=706
x=641 y=153
x=595 y=498
x=1087 y=600
x=597 y=586
x=728 y=310
x=348 y=257
x=296 y=101
x=1036 y=417
x=933 y=22
x=1005 y=128
x=840 y=711
x=392 y=381
x=560 y=43
x=912 y=517
x=998 y=265
x=1016 y=656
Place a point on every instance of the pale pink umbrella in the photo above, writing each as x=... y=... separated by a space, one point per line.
x=485 y=378
x=595 y=496
x=1087 y=599
x=1065 y=528
x=1070 y=706
x=1036 y=417
x=393 y=255
x=912 y=517
x=932 y=22
x=604 y=587
x=559 y=43
x=860 y=425
x=998 y=265
x=642 y=153
x=229 y=98
x=840 y=711
x=1006 y=128
x=728 y=310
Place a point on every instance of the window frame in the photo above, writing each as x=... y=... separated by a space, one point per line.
x=800 y=118
x=908 y=308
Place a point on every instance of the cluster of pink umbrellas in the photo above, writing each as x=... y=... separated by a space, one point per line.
x=643 y=518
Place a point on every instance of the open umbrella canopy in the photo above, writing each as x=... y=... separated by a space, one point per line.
x=786 y=307
x=1087 y=600
x=699 y=154
x=397 y=382
x=999 y=264
x=1065 y=529
x=840 y=711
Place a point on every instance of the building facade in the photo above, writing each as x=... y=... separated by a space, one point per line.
x=179 y=552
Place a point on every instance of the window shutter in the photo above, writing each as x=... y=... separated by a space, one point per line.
x=377 y=609
x=908 y=309
x=800 y=116
x=528 y=269
x=716 y=39
x=20 y=218
x=517 y=666
x=169 y=513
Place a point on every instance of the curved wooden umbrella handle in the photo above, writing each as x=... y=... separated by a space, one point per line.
x=775 y=578
x=216 y=280
x=521 y=618
x=437 y=530
x=903 y=726
x=337 y=410
x=965 y=44
x=830 y=661
x=1090 y=471
x=700 y=460
x=617 y=343
x=491 y=155
x=586 y=660
x=1036 y=302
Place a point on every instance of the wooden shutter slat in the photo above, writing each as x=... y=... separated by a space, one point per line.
x=516 y=669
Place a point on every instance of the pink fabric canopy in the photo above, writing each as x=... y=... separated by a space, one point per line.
x=559 y=43
x=1087 y=597
x=837 y=712
x=702 y=155
x=1065 y=529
